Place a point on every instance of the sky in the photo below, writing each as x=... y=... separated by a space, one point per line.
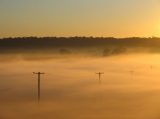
x=99 y=18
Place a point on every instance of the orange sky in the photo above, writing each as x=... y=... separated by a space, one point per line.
x=117 y=18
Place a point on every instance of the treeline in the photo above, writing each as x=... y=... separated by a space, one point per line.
x=66 y=45
x=51 y=42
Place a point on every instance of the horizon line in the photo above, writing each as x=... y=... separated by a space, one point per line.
x=14 y=37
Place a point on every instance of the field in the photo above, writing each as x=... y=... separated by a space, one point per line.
x=70 y=88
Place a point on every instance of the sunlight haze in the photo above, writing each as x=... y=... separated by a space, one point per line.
x=117 y=18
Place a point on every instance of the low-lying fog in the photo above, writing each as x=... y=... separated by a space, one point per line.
x=70 y=89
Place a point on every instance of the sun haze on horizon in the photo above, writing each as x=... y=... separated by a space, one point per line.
x=116 y=18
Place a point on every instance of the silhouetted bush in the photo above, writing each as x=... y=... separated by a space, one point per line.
x=106 y=52
x=119 y=50
x=64 y=51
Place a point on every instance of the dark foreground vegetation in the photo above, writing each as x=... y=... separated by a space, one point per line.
x=85 y=45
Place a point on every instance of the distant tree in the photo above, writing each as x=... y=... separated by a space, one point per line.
x=119 y=50
x=106 y=52
x=64 y=51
